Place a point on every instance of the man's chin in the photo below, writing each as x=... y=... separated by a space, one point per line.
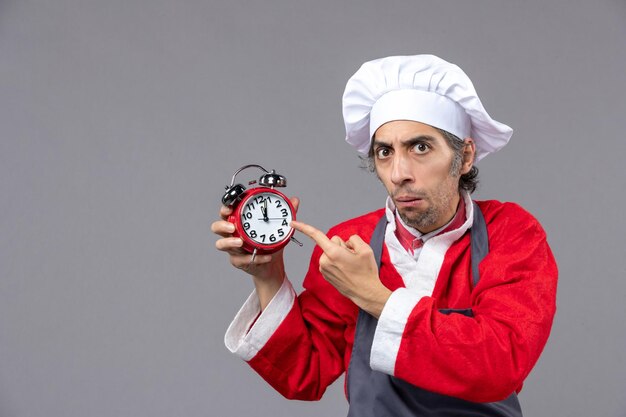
x=416 y=219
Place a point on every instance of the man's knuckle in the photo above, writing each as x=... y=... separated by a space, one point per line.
x=333 y=252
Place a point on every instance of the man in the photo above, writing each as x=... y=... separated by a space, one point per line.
x=435 y=305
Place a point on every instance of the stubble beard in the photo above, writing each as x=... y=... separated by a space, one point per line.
x=438 y=201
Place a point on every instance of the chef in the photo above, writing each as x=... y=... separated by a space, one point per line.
x=435 y=304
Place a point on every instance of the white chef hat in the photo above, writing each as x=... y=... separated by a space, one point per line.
x=423 y=88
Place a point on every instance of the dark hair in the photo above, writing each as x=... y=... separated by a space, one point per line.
x=467 y=182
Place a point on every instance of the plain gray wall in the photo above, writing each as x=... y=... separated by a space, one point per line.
x=122 y=121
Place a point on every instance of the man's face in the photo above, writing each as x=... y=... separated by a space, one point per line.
x=413 y=161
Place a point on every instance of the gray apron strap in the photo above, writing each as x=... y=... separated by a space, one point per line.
x=375 y=394
x=378 y=238
x=480 y=242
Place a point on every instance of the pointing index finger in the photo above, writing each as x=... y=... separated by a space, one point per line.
x=316 y=235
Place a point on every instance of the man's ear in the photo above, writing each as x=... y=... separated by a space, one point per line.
x=469 y=153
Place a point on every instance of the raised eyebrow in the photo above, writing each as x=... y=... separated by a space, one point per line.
x=418 y=139
x=377 y=143
x=407 y=143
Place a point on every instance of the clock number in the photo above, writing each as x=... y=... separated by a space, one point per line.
x=262 y=201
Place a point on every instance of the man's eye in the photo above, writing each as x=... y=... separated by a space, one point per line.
x=421 y=148
x=382 y=153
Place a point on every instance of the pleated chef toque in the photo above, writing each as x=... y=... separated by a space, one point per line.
x=422 y=88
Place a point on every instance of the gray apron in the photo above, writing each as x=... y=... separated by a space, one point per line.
x=376 y=394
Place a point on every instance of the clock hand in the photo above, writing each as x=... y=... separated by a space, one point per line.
x=264 y=210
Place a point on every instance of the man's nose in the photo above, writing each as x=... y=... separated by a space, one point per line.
x=401 y=170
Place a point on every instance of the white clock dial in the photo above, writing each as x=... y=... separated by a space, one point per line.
x=265 y=218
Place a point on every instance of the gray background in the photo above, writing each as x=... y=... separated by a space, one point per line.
x=122 y=120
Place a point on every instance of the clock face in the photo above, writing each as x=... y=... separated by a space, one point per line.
x=265 y=218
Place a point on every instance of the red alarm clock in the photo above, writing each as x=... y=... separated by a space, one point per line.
x=261 y=215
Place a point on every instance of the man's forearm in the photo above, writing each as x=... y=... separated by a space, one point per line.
x=268 y=286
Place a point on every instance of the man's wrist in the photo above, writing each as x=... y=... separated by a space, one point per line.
x=374 y=302
x=267 y=287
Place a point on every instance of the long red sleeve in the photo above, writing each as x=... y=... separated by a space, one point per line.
x=481 y=358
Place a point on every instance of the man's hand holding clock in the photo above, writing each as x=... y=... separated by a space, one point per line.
x=267 y=270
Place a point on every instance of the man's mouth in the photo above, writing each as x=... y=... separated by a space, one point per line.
x=407 y=198
x=408 y=201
